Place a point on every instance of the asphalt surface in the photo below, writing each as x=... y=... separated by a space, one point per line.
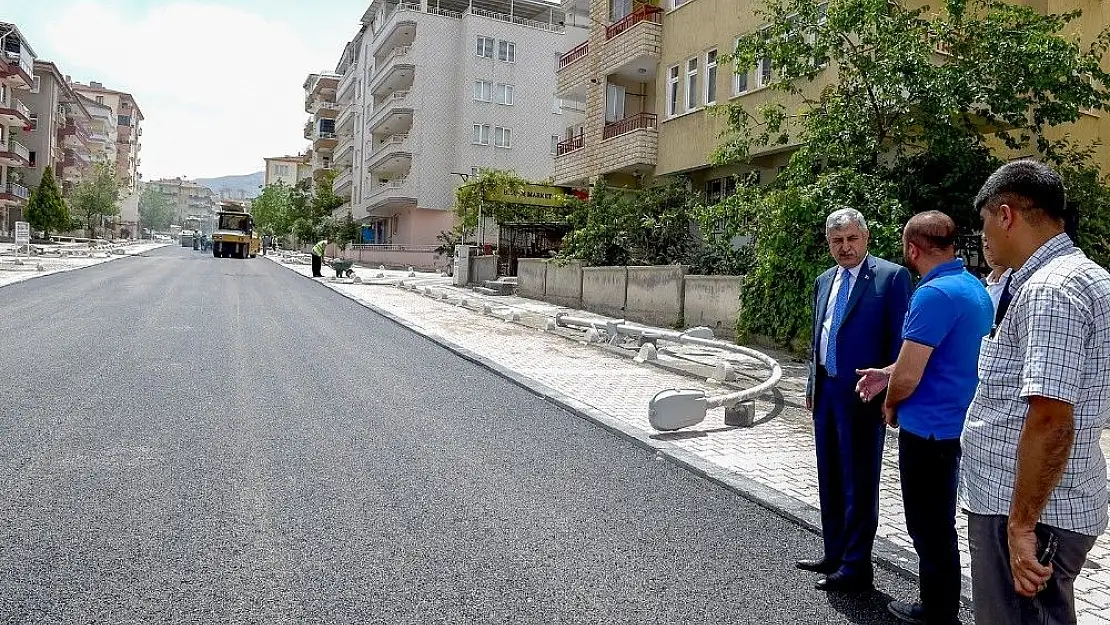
x=186 y=439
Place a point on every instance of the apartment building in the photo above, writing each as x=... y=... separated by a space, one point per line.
x=431 y=92
x=126 y=134
x=17 y=80
x=288 y=170
x=647 y=76
x=187 y=197
x=103 y=124
x=321 y=105
x=59 y=137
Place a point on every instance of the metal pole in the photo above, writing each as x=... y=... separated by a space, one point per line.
x=481 y=224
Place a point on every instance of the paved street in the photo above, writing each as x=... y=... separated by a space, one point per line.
x=186 y=439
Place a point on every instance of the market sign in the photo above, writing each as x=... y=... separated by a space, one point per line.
x=533 y=195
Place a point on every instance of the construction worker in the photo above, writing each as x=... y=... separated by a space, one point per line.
x=318 y=257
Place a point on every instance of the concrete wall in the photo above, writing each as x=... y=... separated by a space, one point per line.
x=604 y=289
x=482 y=268
x=712 y=301
x=564 y=284
x=655 y=295
x=391 y=258
x=531 y=275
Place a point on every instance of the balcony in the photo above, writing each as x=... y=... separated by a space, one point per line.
x=308 y=130
x=391 y=155
x=324 y=108
x=343 y=90
x=398 y=29
x=343 y=183
x=73 y=135
x=20 y=72
x=12 y=193
x=394 y=112
x=395 y=74
x=322 y=84
x=324 y=141
x=576 y=142
x=572 y=73
x=346 y=115
x=15 y=114
x=15 y=155
x=632 y=45
x=389 y=194
x=344 y=150
x=630 y=145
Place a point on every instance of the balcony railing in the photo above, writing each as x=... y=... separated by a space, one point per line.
x=642 y=14
x=16 y=190
x=395 y=54
x=580 y=51
x=24 y=63
x=519 y=21
x=570 y=145
x=638 y=121
x=390 y=142
x=389 y=247
x=19 y=150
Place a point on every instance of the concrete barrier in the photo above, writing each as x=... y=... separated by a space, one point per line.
x=604 y=290
x=712 y=301
x=531 y=275
x=655 y=295
x=564 y=284
x=482 y=268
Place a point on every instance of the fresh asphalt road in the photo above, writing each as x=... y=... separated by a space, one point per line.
x=186 y=439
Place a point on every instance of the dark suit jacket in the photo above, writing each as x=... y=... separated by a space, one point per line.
x=870 y=334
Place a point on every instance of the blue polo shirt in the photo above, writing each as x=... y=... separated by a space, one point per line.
x=951 y=312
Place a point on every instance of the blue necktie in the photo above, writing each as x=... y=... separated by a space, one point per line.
x=839 y=308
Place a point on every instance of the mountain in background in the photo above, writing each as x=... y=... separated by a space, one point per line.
x=235 y=187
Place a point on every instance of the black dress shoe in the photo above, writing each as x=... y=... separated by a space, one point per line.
x=821 y=566
x=843 y=582
x=907 y=612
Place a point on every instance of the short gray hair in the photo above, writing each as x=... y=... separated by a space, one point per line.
x=844 y=218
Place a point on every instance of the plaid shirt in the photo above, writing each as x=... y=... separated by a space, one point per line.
x=1054 y=342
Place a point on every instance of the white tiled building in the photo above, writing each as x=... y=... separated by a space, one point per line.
x=431 y=90
x=17 y=80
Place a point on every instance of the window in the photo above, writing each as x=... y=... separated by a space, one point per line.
x=474 y=171
x=124 y=120
x=34 y=121
x=711 y=77
x=506 y=51
x=485 y=47
x=672 y=91
x=502 y=137
x=32 y=157
x=765 y=73
x=504 y=94
x=554 y=144
x=557 y=106
x=481 y=134
x=719 y=188
x=614 y=103
x=739 y=79
x=100 y=99
x=619 y=9
x=36 y=84
x=677 y=3
x=483 y=90
x=691 y=84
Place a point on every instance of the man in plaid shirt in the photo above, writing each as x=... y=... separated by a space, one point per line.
x=1033 y=473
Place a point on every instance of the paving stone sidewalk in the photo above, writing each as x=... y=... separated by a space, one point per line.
x=15 y=268
x=774 y=461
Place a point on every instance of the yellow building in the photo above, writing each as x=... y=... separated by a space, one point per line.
x=647 y=75
x=288 y=170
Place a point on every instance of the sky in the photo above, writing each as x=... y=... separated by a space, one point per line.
x=219 y=82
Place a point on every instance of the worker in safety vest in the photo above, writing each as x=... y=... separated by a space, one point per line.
x=318 y=257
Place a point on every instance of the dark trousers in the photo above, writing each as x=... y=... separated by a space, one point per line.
x=316 y=261
x=992 y=583
x=849 y=437
x=930 y=471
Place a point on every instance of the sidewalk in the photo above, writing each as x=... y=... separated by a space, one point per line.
x=14 y=268
x=773 y=462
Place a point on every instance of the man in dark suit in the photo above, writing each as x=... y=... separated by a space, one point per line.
x=859 y=307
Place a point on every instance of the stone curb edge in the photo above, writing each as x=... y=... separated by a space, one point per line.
x=43 y=274
x=887 y=555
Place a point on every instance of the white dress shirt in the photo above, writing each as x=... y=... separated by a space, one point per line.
x=995 y=287
x=826 y=325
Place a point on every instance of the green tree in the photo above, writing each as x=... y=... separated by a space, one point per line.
x=46 y=210
x=272 y=210
x=156 y=212
x=96 y=197
x=621 y=227
x=313 y=214
x=892 y=110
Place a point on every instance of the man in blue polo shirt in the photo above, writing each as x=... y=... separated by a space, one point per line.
x=929 y=389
